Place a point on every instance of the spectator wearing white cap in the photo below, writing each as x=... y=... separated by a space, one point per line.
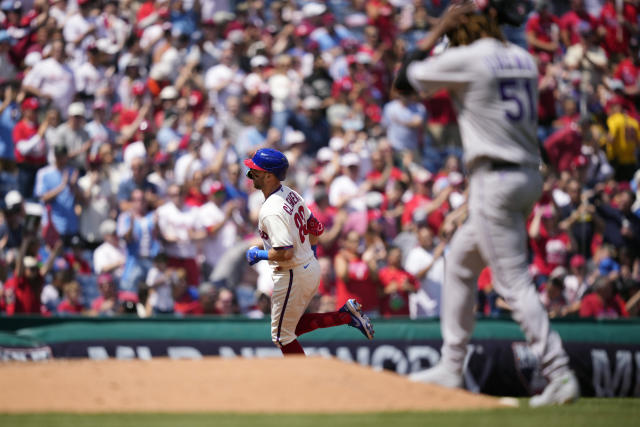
x=72 y=135
x=109 y=257
x=12 y=231
x=52 y=79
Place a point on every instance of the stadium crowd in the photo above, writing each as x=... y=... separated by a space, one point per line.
x=123 y=126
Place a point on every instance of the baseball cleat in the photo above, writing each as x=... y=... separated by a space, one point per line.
x=358 y=319
x=560 y=390
x=438 y=375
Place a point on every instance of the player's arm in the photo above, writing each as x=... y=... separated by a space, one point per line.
x=315 y=228
x=407 y=78
x=281 y=241
x=255 y=254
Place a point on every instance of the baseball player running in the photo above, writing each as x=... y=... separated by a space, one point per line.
x=290 y=233
x=494 y=87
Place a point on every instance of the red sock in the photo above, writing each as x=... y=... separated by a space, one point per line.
x=292 y=348
x=311 y=321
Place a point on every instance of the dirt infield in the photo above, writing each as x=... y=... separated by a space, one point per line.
x=294 y=385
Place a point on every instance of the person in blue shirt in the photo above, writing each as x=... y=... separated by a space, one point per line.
x=137 y=228
x=404 y=119
x=137 y=180
x=9 y=116
x=56 y=187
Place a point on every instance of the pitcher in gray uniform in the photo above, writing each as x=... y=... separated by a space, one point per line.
x=493 y=84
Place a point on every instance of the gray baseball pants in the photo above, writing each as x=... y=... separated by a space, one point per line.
x=495 y=234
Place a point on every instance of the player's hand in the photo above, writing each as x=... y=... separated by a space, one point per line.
x=254 y=255
x=454 y=16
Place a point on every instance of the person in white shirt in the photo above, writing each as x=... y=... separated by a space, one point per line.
x=109 y=257
x=426 y=263
x=344 y=190
x=159 y=282
x=100 y=202
x=79 y=31
x=177 y=224
x=52 y=79
x=215 y=218
x=289 y=234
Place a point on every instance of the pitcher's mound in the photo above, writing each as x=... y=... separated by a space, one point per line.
x=280 y=385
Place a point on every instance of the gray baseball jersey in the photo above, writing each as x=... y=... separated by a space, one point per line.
x=494 y=86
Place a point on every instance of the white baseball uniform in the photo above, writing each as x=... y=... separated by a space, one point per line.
x=494 y=88
x=283 y=225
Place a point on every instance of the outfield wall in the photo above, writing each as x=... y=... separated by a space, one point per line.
x=604 y=354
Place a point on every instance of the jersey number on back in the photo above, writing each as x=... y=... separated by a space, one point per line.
x=298 y=219
x=519 y=94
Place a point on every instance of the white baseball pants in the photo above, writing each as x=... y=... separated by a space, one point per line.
x=292 y=292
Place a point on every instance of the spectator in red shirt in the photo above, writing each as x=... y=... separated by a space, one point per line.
x=356 y=275
x=547 y=86
x=549 y=243
x=618 y=26
x=22 y=291
x=397 y=285
x=383 y=172
x=184 y=302
x=604 y=302
x=542 y=30
x=571 y=20
x=333 y=220
x=110 y=300
x=441 y=121
x=71 y=304
x=564 y=145
x=30 y=146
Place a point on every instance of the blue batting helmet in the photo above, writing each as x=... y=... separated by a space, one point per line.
x=269 y=160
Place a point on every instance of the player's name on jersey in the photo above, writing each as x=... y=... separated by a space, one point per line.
x=290 y=202
x=507 y=62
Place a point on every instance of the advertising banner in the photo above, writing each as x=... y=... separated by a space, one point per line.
x=497 y=367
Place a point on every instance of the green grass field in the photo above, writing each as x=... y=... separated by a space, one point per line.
x=585 y=413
